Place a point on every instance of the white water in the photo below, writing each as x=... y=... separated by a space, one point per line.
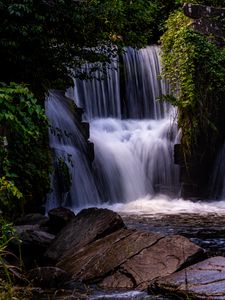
x=162 y=204
x=134 y=158
x=99 y=97
x=102 y=98
x=142 y=85
x=133 y=167
x=68 y=144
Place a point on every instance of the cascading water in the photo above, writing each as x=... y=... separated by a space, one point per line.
x=133 y=155
x=100 y=98
x=142 y=85
x=69 y=147
x=134 y=158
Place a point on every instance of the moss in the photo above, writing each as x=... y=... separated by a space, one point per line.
x=194 y=66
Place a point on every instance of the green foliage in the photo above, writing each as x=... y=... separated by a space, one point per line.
x=8 y=191
x=7 y=234
x=194 y=66
x=41 y=40
x=24 y=154
x=8 y=291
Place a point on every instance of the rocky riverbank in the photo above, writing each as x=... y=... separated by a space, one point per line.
x=68 y=255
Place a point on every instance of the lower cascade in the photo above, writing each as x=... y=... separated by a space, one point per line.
x=134 y=158
x=133 y=135
x=69 y=151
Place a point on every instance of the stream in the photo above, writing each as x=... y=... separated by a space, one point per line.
x=133 y=172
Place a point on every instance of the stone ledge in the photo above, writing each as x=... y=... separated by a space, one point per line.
x=206 y=20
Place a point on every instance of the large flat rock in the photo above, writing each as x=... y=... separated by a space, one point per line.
x=204 y=280
x=129 y=258
x=89 y=225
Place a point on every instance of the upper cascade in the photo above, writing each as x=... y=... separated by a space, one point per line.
x=132 y=91
x=143 y=86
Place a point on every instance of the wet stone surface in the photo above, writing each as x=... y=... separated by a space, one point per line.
x=207 y=231
x=93 y=294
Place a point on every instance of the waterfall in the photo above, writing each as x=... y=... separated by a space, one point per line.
x=102 y=98
x=69 y=147
x=133 y=132
x=134 y=158
x=99 y=97
x=142 y=85
x=218 y=182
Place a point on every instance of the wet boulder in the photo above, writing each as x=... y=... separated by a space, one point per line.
x=129 y=258
x=89 y=225
x=31 y=219
x=204 y=280
x=58 y=218
x=33 y=245
x=33 y=235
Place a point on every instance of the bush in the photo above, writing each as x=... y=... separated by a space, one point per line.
x=24 y=153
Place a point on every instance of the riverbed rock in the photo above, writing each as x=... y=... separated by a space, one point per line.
x=31 y=219
x=48 y=277
x=204 y=280
x=33 y=235
x=89 y=225
x=34 y=243
x=58 y=218
x=129 y=258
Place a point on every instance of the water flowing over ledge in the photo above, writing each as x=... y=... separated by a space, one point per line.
x=133 y=134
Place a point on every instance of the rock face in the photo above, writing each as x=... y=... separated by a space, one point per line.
x=89 y=225
x=129 y=258
x=205 y=280
x=207 y=20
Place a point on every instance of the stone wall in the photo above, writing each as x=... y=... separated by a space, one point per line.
x=207 y=20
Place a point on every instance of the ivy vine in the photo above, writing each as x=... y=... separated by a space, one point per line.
x=194 y=65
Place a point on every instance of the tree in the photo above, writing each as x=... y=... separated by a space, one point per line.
x=41 y=40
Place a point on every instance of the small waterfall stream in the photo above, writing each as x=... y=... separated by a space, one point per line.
x=142 y=85
x=133 y=153
x=69 y=147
